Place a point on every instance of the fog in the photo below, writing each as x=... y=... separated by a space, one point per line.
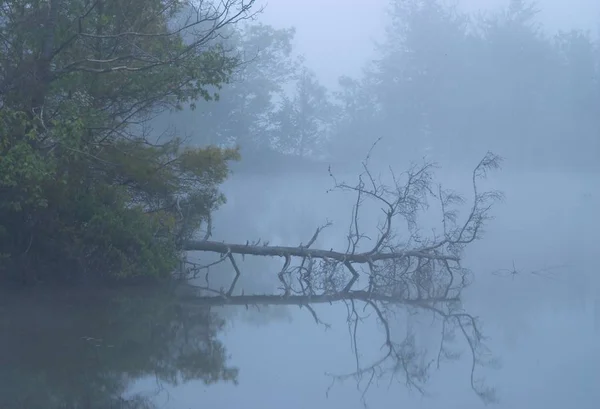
x=534 y=282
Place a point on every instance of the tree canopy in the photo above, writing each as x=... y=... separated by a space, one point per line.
x=87 y=190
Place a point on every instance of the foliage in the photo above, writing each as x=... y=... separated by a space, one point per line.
x=87 y=190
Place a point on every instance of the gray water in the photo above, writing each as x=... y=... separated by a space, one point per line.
x=543 y=322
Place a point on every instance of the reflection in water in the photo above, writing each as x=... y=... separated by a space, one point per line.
x=83 y=349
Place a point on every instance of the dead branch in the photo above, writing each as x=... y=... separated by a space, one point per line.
x=283 y=251
x=420 y=274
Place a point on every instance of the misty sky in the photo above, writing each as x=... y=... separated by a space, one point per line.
x=337 y=36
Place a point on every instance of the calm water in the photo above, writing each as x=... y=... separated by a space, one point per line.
x=138 y=348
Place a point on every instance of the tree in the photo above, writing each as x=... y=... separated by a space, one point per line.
x=520 y=59
x=84 y=187
x=451 y=86
x=241 y=116
x=576 y=98
x=385 y=273
x=358 y=119
x=421 y=77
x=528 y=106
x=302 y=123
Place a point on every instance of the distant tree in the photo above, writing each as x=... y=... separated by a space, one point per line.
x=302 y=123
x=358 y=122
x=421 y=77
x=542 y=91
x=246 y=102
x=519 y=69
x=452 y=86
x=576 y=115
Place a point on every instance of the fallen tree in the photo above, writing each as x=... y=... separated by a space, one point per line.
x=422 y=273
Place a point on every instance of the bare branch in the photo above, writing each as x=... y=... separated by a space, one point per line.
x=237 y=273
x=316 y=235
x=421 y=274
x=282 y=251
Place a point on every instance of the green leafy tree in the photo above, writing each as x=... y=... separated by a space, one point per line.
x=85 y=191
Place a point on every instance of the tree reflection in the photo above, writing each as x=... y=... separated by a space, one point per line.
x=84 y=349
